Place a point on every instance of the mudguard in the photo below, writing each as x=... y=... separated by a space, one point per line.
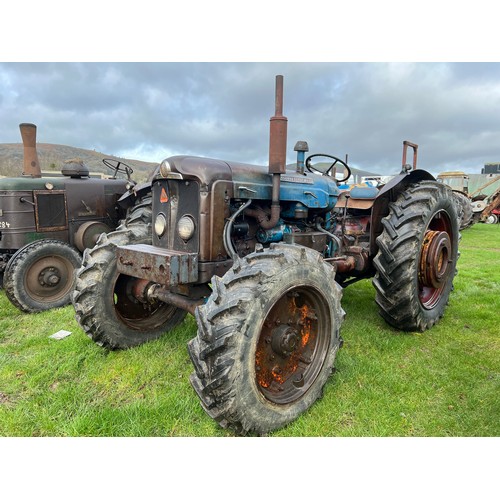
x=388 y=193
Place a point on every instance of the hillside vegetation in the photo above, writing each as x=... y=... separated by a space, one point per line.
x=53 y=156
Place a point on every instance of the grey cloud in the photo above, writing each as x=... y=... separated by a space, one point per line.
x=222 y=109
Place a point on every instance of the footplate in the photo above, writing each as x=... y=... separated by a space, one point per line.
x=167 y=267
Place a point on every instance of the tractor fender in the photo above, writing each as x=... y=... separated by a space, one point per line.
x=388 y=193
x=402 y=179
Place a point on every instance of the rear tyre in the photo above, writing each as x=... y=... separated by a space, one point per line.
x=418 y=252
x=267 y=339
x=40 y=276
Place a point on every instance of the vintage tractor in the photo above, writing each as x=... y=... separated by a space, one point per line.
x=259 y=255
x=491 y=212
x=46 y=222
x=459 y=183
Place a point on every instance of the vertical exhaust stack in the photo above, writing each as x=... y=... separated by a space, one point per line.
x=31 y=164
x=278 y=133
x=277 y=153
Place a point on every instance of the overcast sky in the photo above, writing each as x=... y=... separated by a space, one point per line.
x=149 y=111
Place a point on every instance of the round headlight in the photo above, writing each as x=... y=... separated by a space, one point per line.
x=165 y=168
x=160 y=225
x=185 y=227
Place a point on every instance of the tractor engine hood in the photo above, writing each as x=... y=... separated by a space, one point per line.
x=253 y=181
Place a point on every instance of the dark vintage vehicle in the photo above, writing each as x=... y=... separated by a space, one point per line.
x=47 y=222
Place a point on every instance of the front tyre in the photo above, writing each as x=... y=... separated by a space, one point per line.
x=104 y=302
x=417 y=256
x=267 y=339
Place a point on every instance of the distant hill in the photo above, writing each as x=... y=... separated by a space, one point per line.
x=53 y=156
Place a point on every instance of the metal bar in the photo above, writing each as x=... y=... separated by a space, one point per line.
x=405 y=148
x=175 y=299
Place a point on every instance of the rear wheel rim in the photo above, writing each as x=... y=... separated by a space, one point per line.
x=435 y=262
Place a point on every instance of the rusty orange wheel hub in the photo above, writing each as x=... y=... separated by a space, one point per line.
x=434 y=266
x=292 y=346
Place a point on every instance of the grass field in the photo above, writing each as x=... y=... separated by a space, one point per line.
x=444 y=382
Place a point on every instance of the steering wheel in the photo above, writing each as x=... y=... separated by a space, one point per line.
x=327 y=171
x=118 y=166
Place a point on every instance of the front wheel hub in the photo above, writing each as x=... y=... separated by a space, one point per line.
x=435 y=259
x=284 y=340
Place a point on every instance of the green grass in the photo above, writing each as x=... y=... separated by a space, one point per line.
x=444 y=382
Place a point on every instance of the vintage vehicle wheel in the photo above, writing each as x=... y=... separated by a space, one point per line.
x=491 y=219
x=464 y=209
x=105 y=307
x=417 y=256
x=40 y=275
x=267 y=339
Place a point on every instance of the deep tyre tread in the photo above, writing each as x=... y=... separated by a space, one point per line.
x=464 y=209
x=141 y=212
x=229 y=326
x=93 y=298
x=397 y=262
x=25 y=270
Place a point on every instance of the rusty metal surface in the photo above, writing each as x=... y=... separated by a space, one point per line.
x=50 y=216
x=167 y=267
x=406 y=145
x=435 y=259
x=492 y=207
x=88 y=233
x=278 y=133
x=175 y=299
x=292 y=345
x=311 y=239
x=31 y=165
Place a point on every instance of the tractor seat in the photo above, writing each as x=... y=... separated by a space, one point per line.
x=363 y=193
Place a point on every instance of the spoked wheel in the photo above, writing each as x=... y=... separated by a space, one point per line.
x=267 y=339
x=40 y=276
x=418 y=252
